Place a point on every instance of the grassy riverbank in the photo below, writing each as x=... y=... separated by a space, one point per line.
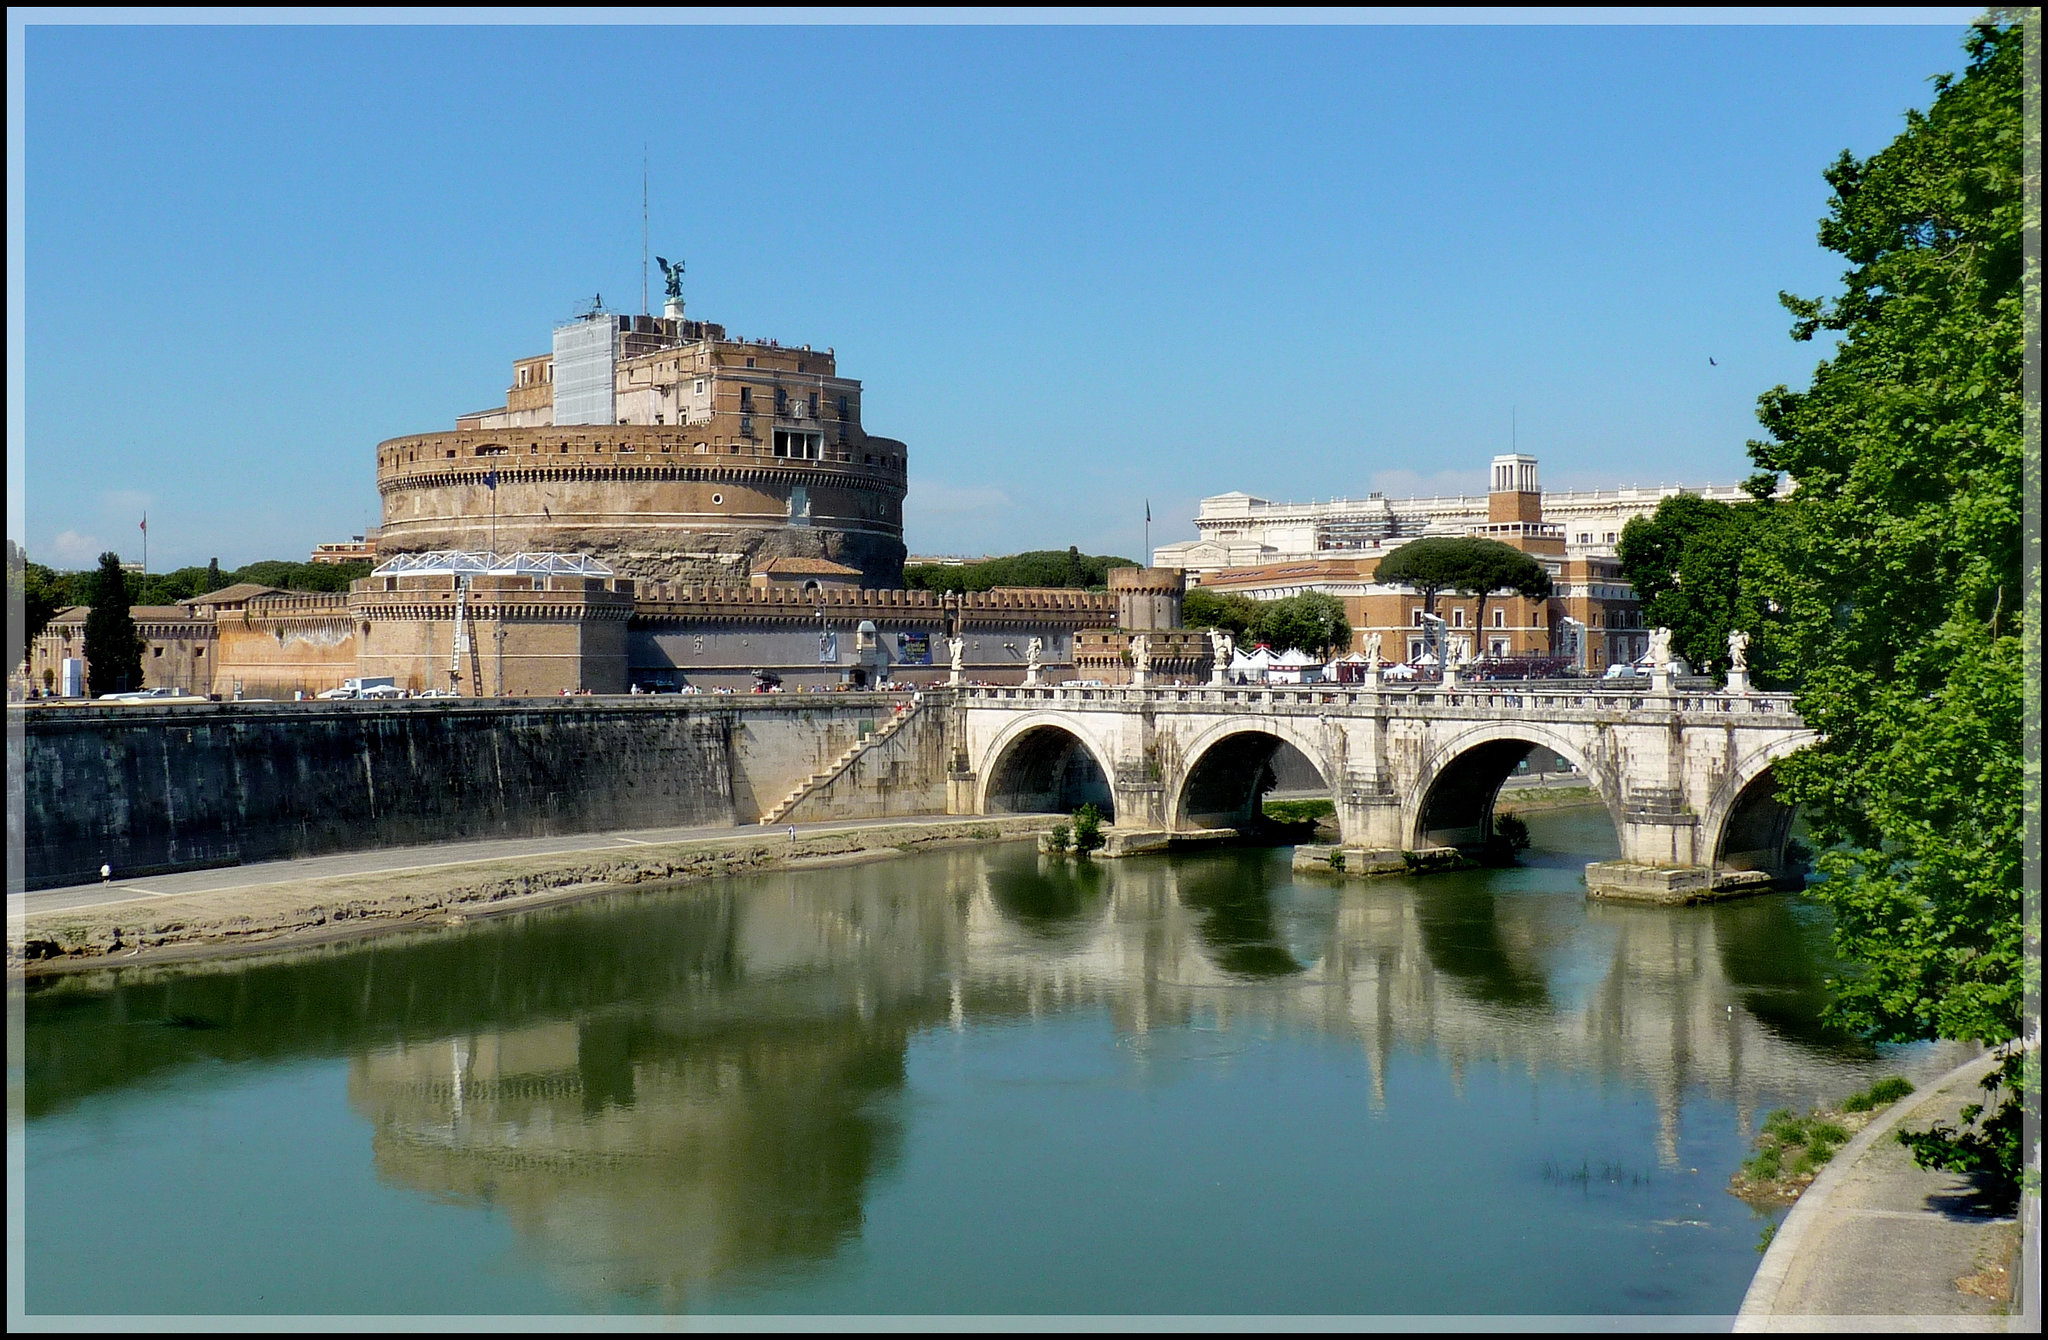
x=291 y=912
x=1526 y=799
x=1791 y=1150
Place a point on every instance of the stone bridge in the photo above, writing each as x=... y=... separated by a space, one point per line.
x=1685 y=772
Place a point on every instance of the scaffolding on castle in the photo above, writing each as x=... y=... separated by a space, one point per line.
x=467 y=563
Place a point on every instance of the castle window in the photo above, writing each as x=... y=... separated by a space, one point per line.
x=750 y=362
x=718 y=500
x=1457 y=618
x=746 y=398
x=781 y=401
x=842 y=407
x=1500 y=618
x=700 y=386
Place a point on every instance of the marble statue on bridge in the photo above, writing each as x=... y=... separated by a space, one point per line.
x=1221 y=648
x=1034 y=661
x=1372 y=653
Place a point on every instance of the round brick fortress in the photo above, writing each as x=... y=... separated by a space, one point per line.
x=654 y=502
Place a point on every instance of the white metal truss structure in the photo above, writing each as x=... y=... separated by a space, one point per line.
x=465 y=563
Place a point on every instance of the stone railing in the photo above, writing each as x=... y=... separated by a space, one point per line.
x=1479 y=697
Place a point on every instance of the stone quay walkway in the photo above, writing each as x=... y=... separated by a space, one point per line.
x=384 y=860
x=281 y=904
x=1878 y=1243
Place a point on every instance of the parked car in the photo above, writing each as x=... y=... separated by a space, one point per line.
x=1621 y=670
x=146 y=695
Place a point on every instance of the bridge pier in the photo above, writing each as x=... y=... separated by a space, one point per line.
x=1369 y=814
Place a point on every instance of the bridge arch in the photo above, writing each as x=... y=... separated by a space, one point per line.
x=1453 y=800
x=1042 y=764
x=1223 y=768
x=1748 y=826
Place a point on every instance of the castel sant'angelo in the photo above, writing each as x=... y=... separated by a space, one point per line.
x=664 y=448
x=658 y=506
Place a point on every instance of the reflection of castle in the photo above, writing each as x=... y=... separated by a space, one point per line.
x=724 y=1116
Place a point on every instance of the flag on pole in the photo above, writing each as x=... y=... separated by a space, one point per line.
x=145 y=523
x=1148 y=510
x=491 y=479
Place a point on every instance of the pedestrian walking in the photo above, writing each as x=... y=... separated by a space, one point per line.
x=106 y=872
x=792 y=832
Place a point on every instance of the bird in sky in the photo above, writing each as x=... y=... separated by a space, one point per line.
x=1711 y=363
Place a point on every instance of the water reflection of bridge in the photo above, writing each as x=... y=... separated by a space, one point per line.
x=731 y=1117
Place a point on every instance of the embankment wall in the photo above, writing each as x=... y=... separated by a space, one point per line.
x=900 y=776
x=147 y=790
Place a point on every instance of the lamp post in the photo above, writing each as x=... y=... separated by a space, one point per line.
x=1433 y=641
x=1575 y=642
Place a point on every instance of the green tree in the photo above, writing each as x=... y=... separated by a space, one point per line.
x=1235 y=614
x=167 y=588
x=1897 y=566
x=1060 y=568
x=1691 y=564
x=31 y=596
x=292 y=576
x=213 y=581
x=1466 y=563
x=1313 y=621
x=113 y=649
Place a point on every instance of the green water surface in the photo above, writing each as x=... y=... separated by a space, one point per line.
x=974 y=1081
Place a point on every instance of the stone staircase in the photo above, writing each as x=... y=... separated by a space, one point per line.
x=840 y=764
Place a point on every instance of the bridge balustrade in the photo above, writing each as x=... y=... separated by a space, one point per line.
x=1720 y=704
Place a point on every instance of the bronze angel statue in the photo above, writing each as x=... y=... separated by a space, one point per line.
x=673 y=274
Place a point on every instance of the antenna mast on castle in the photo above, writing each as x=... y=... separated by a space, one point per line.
x=643 y=228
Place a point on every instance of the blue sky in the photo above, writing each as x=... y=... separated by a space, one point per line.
x=1076 y=267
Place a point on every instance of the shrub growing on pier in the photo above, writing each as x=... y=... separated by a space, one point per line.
x=1087 y=828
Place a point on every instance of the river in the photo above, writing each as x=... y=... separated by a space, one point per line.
x=977 y=1081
